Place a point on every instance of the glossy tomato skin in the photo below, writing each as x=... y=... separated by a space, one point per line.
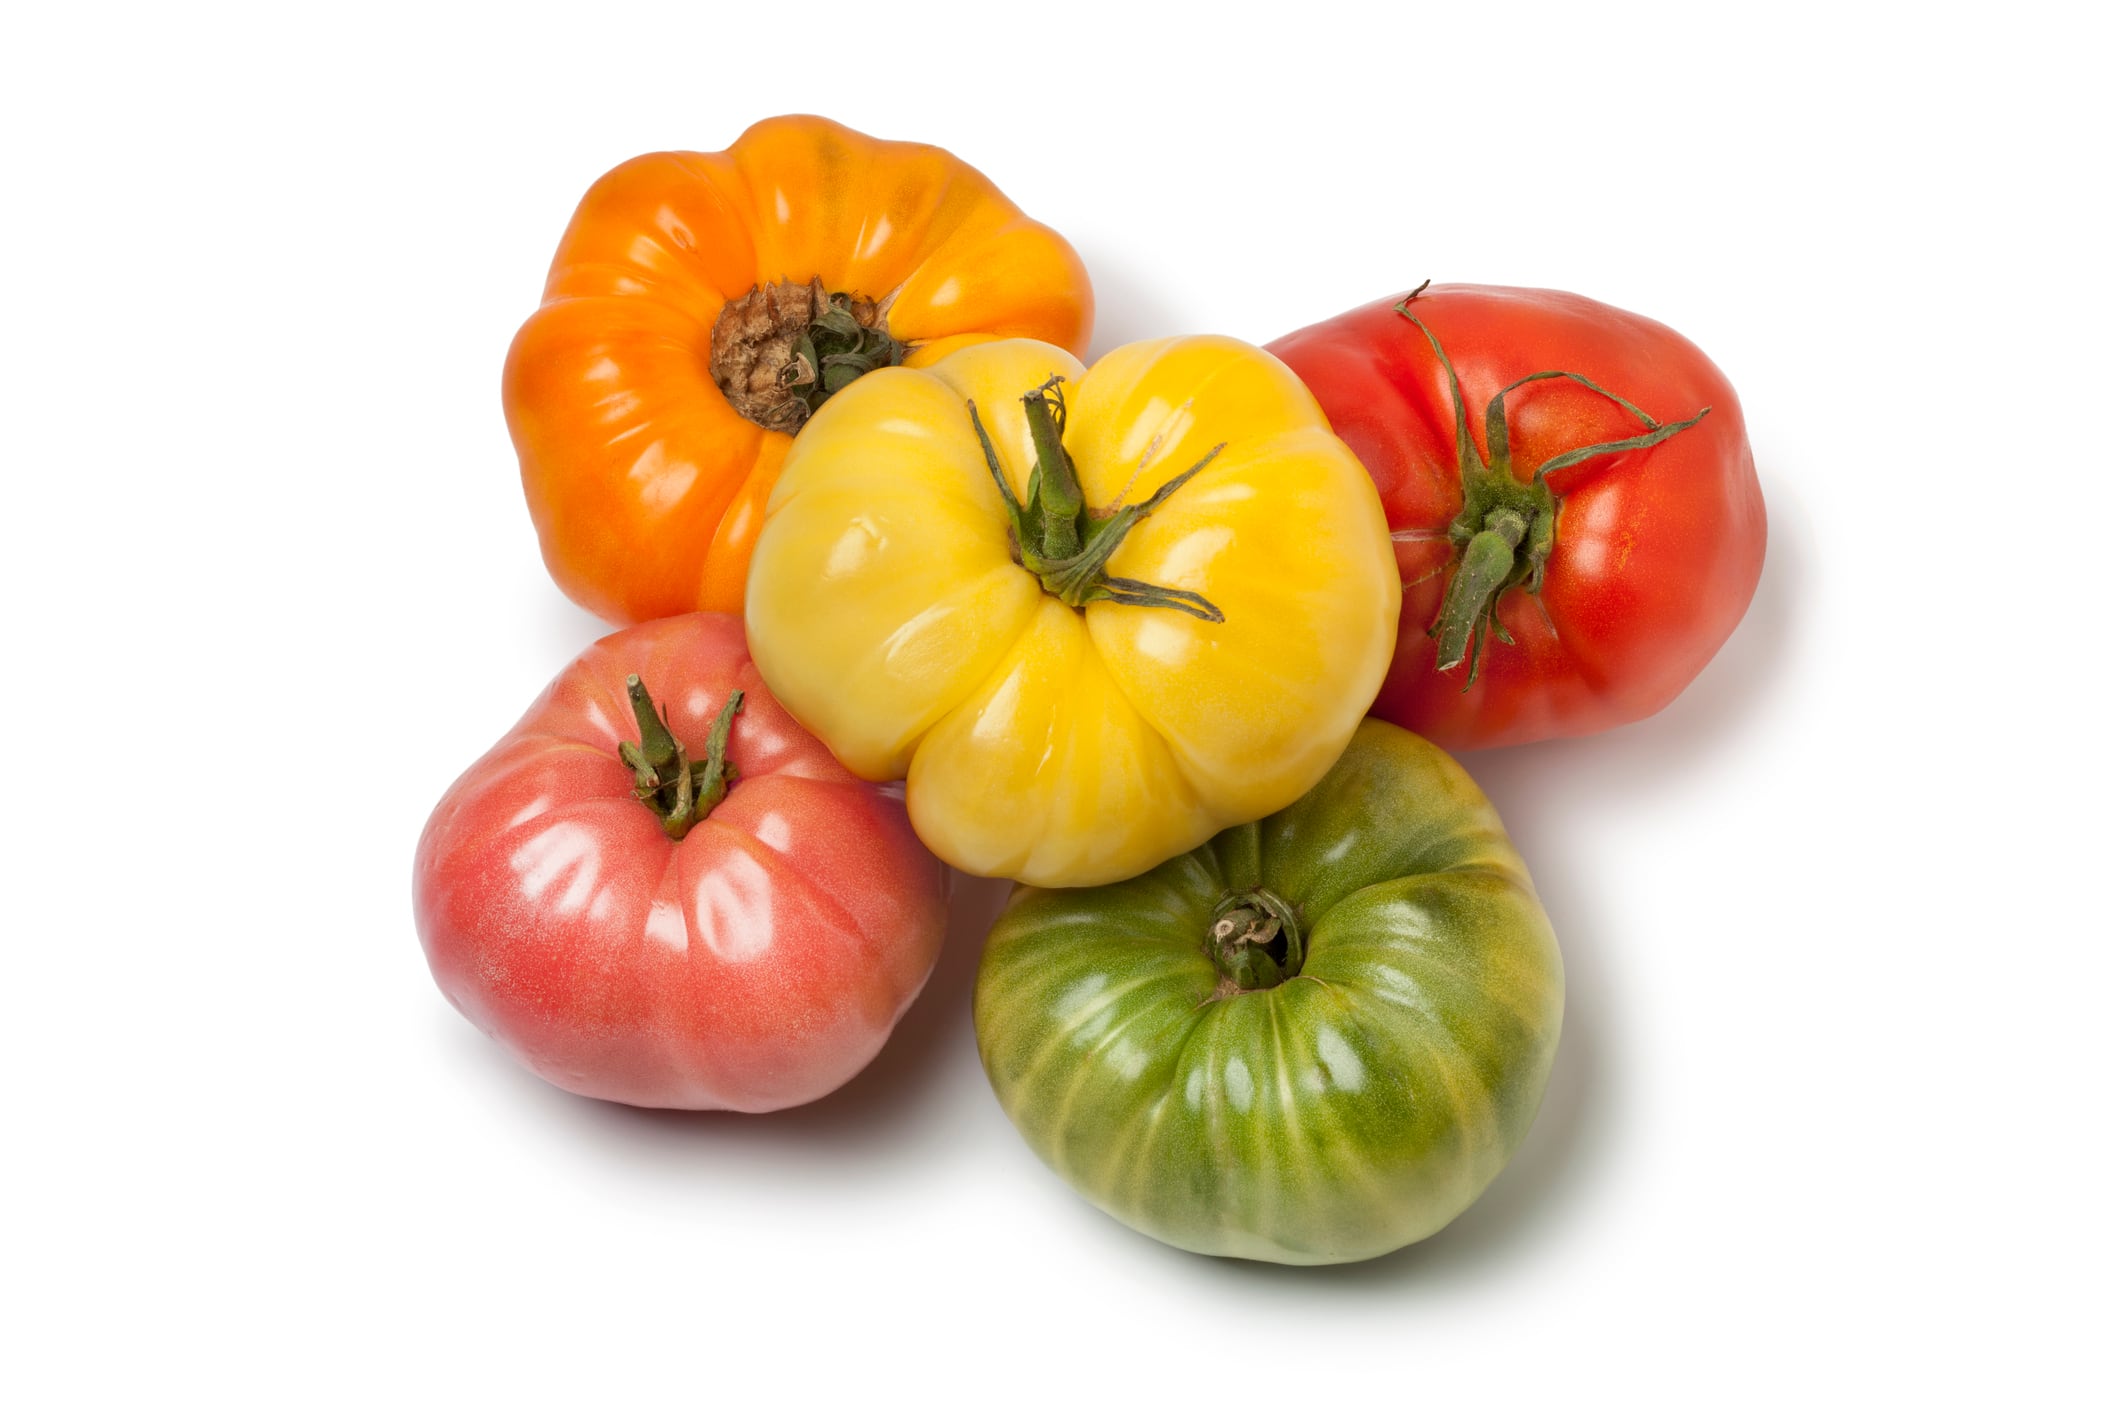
x=758 y=963
x=646 y=486
x=890 y=607
x=1354 y=1108
x=1656 y=553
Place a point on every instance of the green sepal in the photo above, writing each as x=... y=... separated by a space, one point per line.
x=1054 y=534
x=835 y=350
x=1501 y=515
x=679 y=791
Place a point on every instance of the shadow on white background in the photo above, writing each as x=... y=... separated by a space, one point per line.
x=1129 y=307
x=1549 y=794
x=876 y=1117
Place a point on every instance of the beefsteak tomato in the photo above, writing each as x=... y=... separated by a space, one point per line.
x=701 y=304
x=1573 y=558
x=1315 y=1039
x=738 y=931
x=1092 y=618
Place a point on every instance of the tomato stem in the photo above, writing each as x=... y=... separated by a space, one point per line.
x=681 y=792
x=1057 y=537
x=779 y=350
x=1255 y=941
x=1055 y=492
x=1504 y=530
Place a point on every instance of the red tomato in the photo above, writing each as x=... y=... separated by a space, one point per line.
x=755 y=963
x=1542 y=605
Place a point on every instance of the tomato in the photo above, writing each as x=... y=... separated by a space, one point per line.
x=1572 y=558
x=701 y=304
x=697 y=909
x=1315 y=1039
x=1091 y=617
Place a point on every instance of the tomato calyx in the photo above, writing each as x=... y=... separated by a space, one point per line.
x=1504 y=530
x=780 y=350
x=1053 y=534
x=1254 y=942
x=680 y=791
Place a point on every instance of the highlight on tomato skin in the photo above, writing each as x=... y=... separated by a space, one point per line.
x=1091 y=616
x=701 y=306
x=1317 y=1038
x=658 y=889
x=1622 y=432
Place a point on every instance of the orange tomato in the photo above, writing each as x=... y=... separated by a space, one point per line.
x=647 y=484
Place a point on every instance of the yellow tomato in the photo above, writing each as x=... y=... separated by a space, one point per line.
x=1065 y=712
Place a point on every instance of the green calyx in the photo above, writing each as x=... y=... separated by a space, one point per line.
x=1055 y=536
x=836 y=349
x=680 y=791
x=1254 y=942
x=1504 y=531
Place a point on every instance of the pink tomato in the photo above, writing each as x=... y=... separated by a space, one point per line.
x=640 y=913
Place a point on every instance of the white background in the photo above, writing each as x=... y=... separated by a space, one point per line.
x=1831 y=1120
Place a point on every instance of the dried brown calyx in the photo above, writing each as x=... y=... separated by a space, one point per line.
x=782 y=349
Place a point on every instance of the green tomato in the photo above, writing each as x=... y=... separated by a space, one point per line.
x=1314 y=1039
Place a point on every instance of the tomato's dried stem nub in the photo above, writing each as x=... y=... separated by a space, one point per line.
x=1504 y=530
x=1254 y=942
x=780 y=350
x=1057 y=537
x=681 y=792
